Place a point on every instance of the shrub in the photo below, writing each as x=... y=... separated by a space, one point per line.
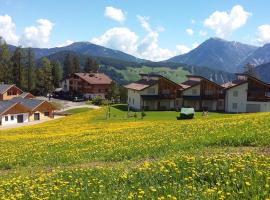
x=97 y=100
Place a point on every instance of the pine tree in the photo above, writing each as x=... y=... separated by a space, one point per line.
x=87 y=65
x=45 y=79
x=5 y=63
x=94 y=66
x=90 y=66
x=30 y=75
x=17 y=67
x=57 y=73
x=68 y=66
x=75 y=64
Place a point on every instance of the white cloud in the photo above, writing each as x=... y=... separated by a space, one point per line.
x=189 y=31
x=195 y=45
x=115 y=14
x=144 y=22
x=148 y=48
x=119 y=38
x=224 y=23
x=37 y=36
x=7 y=30
x=123 y=39
x=263 y=34
x=182 y=49
x=202 y=33
x=66 y=43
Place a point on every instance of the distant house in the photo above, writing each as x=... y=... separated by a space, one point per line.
x=89 y=85
x=21 y=110
x=9 y=91
x=202 y=94
x=27 y=95
x=38 y=109
x=247 y=94
x=12 y=113
x=153 y=92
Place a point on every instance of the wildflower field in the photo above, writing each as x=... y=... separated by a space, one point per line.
x=85 y=156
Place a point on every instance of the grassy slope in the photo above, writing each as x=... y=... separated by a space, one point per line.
x=88 y=156
x=132 y=74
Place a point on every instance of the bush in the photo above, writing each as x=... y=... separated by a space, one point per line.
x=97 y=101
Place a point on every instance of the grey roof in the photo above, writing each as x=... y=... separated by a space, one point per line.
x=4 y=87
x=4 y=105
x=24 y=94
x=29 y=103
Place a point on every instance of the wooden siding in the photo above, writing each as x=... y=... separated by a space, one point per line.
x=257 y=91
x=79 y=85
x=11 y=93
x=18 y=108
x=44 y=107
x=168 y=89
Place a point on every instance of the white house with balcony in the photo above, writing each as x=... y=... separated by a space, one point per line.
x=153 y=92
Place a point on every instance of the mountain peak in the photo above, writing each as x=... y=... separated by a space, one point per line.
x=218 y=54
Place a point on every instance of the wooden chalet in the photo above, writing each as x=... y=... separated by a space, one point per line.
x=202 y=94
x=90 y=85
x=153 y=92
x=9 y=91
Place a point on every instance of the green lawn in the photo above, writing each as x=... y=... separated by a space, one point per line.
x=132 y=74
x=78 y=110
x=119 y=112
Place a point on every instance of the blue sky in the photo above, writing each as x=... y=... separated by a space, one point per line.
x=149 y=29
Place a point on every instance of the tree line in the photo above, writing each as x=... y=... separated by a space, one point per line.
x=20 y=68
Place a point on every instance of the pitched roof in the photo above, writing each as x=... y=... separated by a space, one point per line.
x=240 y=82
x=95 y=78
x=29 y=103
x=189 y=83
x=5 y=105
x=141 y=84
x=4 y=87
x=25 y=94
x=233 y=83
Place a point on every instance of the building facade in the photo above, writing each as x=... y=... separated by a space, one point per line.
x=22 y=110
x=89 y=85
x=247 y=94
x=153 y=92
x=9 y=91
x=202 y=94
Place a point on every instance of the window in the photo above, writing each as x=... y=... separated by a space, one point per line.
x=129 y=100
x=235 y=93
x=46 y=114
x=12 y=117
x=9 y=93
x=6 y=118
x=267 y=94
x=36 y=116
x=234 y=106
x=194 y=91
x=133 y=101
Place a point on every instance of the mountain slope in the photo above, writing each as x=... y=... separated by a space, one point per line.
x=87 y=49
x=263 y=72
x=124 y=72
x=260 y=56
x=217 y=54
